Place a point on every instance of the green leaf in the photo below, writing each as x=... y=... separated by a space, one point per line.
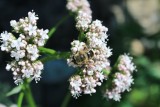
x=14 y=91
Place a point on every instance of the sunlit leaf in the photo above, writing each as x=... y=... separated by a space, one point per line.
x=14 y=90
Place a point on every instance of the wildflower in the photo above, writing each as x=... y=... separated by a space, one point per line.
x=75 y=86
x=126 y=63
x=123 y=79
x=79 y=5
x=83 y=21
x=32 y=17
x=31 y=29
x=90 y=56
x=24 y=49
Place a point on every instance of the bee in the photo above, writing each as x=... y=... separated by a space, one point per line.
x=82 y=57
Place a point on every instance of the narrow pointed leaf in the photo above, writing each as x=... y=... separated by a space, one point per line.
x=14 y=91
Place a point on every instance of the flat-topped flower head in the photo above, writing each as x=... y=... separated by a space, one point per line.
x=83 y=21
x=24 y=49
x=32 y=17
x=126 y=63
x=79 y=5
x=123 y=79
x=31 y=30
x=75 y=86
x=91 y=55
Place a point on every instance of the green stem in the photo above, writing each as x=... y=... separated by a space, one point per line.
x=20 y=99
x=106 y=72
x=60 y=55
x=28 y=95
x=53 y=55
x=66 y=100
x=114 y=68
x=48 y=58
x=81 y=36
x=47 y=50
x=68 y=96
x=62 y=20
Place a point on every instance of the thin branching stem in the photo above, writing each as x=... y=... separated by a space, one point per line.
x=66 y=100
x=28 y=94
x=20 y=99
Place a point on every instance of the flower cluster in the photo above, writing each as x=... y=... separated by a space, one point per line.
x=79 y=5
x=83 y=21
x=89 y=55
x=123 y=79
x=24 y=49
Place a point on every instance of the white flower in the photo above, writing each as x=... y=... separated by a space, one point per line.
x=24 y=49
x=89 y=84
x=97 y=27
x=31 y=29
x=37 y=75
x=100 y=76
x=15 y=25
x=33 y=52
x=18 y=80
x=97 y=30
x=79 y=5
x=71 y=6
x=5 y=36
x=27 y=72
x=108 y=51
x=32 y=17
x=40 y=42
x=113 y=95
x=75 y=86
x=83 y=21
x=95 y=41
x=126 y=63
x=18 y=54
x=123 y=82
x=71 y=63
x=8 y=67
x=32 y=49
x=90 y=72
x=123 y=79
x=5 y=46
x=43 y=33
x=77 y=46
x=38 y=67
x=18 y=43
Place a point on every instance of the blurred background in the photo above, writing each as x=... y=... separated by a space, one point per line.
x=134 y=27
